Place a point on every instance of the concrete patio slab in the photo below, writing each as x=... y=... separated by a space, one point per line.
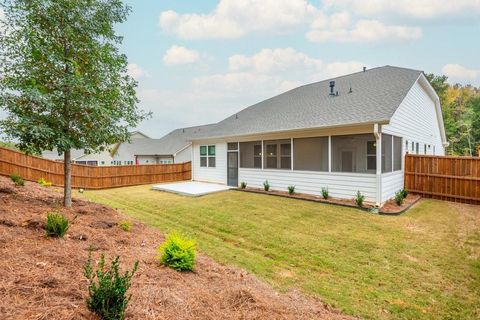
x=191 y=188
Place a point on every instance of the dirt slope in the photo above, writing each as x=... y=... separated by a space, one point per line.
x=41 y=278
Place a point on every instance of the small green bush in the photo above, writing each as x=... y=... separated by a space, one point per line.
x=266 y=185
x=125 y=225
x=291 y=190
x=107 y=297
x=44 y=183
x=325 y=193
x=404 y=192
x=17 y=180
x=178 y=252
x=359 y=198
x=243 y=185
x=57 y=225
x=399 y=197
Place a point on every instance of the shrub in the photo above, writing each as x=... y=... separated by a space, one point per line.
x=291 y=190
x=17 y=180
x=125 y=225
x=57 y=225
x=325 y=193
x=266 y=185
x=399 y=197
x=107 y=297
x=404 y=192
x=178 y=252
x=44 y=183
x=243 y=185
x=359 y=198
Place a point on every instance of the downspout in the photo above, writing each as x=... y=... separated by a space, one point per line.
x=378 y=174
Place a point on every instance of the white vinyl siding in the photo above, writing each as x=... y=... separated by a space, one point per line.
x=340 y=185
x=416 y=121
x=391 y=183
x=217 y=174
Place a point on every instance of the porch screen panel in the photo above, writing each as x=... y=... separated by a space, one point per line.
x=386 y=153
x=310 y=154
x=349 y=153
x=277 y=154
x=251 y=154
x=397 y=153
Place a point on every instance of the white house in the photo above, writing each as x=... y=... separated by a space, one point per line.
x=349 y=133
x=174 y=147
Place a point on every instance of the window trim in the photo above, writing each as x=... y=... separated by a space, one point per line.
x=208 y=156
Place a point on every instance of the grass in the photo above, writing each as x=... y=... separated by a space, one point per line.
x=421 y=265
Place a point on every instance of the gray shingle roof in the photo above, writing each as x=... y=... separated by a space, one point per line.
x=168 y=144
x=376 y=94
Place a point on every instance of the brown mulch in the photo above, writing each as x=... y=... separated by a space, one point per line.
x=391 y=207
x=41 y=278
x=310 y=197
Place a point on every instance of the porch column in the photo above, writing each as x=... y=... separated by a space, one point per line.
x=329 y=153
x=262 y=155
x=291 y=154
x=378 y=141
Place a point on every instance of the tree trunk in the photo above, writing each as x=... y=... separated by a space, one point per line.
x=67 y=190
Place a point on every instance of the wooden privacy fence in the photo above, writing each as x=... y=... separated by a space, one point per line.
x=445 y=178
x=90 y=177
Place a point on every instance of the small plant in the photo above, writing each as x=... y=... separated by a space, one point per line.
x=44 y=183
x=404 y=192
x=399 y=197
x=325 y=193
x=178 y=252
x=266 y=186
x=125 y=225
x=57 y=225
x=17 y=180
x=359 y=198
x=243 y=185
x=107 y=297
x=291 y=190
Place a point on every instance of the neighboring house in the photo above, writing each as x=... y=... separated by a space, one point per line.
x=174 y=147
x=346 y=134
x=103 y=158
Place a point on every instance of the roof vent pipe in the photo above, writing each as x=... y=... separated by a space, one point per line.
x=364 y=69
x=332 y=86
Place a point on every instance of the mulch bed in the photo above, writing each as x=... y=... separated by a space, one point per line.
x=389 y=207
x=309 y=197
x=41 y=278
x=392 y=208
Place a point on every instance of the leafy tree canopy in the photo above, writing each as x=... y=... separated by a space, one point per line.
x=64 y=83
x=461 y=115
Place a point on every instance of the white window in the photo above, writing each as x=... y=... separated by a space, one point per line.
x=207 y=156
x=278 y=154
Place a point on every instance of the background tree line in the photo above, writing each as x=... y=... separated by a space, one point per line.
x=461 y=115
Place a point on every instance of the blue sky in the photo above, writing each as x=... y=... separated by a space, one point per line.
x=199 y=61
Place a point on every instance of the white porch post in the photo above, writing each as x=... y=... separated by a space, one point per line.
x=291 y=154
x=378 y=141
x=262 y=155
x=329 y=153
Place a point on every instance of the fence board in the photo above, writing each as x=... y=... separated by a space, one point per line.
x=91 y=177
x=444 y=177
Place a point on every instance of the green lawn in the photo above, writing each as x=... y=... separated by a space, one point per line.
x=422 y=265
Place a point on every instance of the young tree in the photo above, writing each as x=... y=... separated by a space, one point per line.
x=63 y=81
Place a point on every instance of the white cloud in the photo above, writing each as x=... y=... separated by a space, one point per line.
x=235 y=18
x=290 y=63
x=419 y=9
x=459 y=73
x=361 y=31
x=136 y=72
x=177 y=55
